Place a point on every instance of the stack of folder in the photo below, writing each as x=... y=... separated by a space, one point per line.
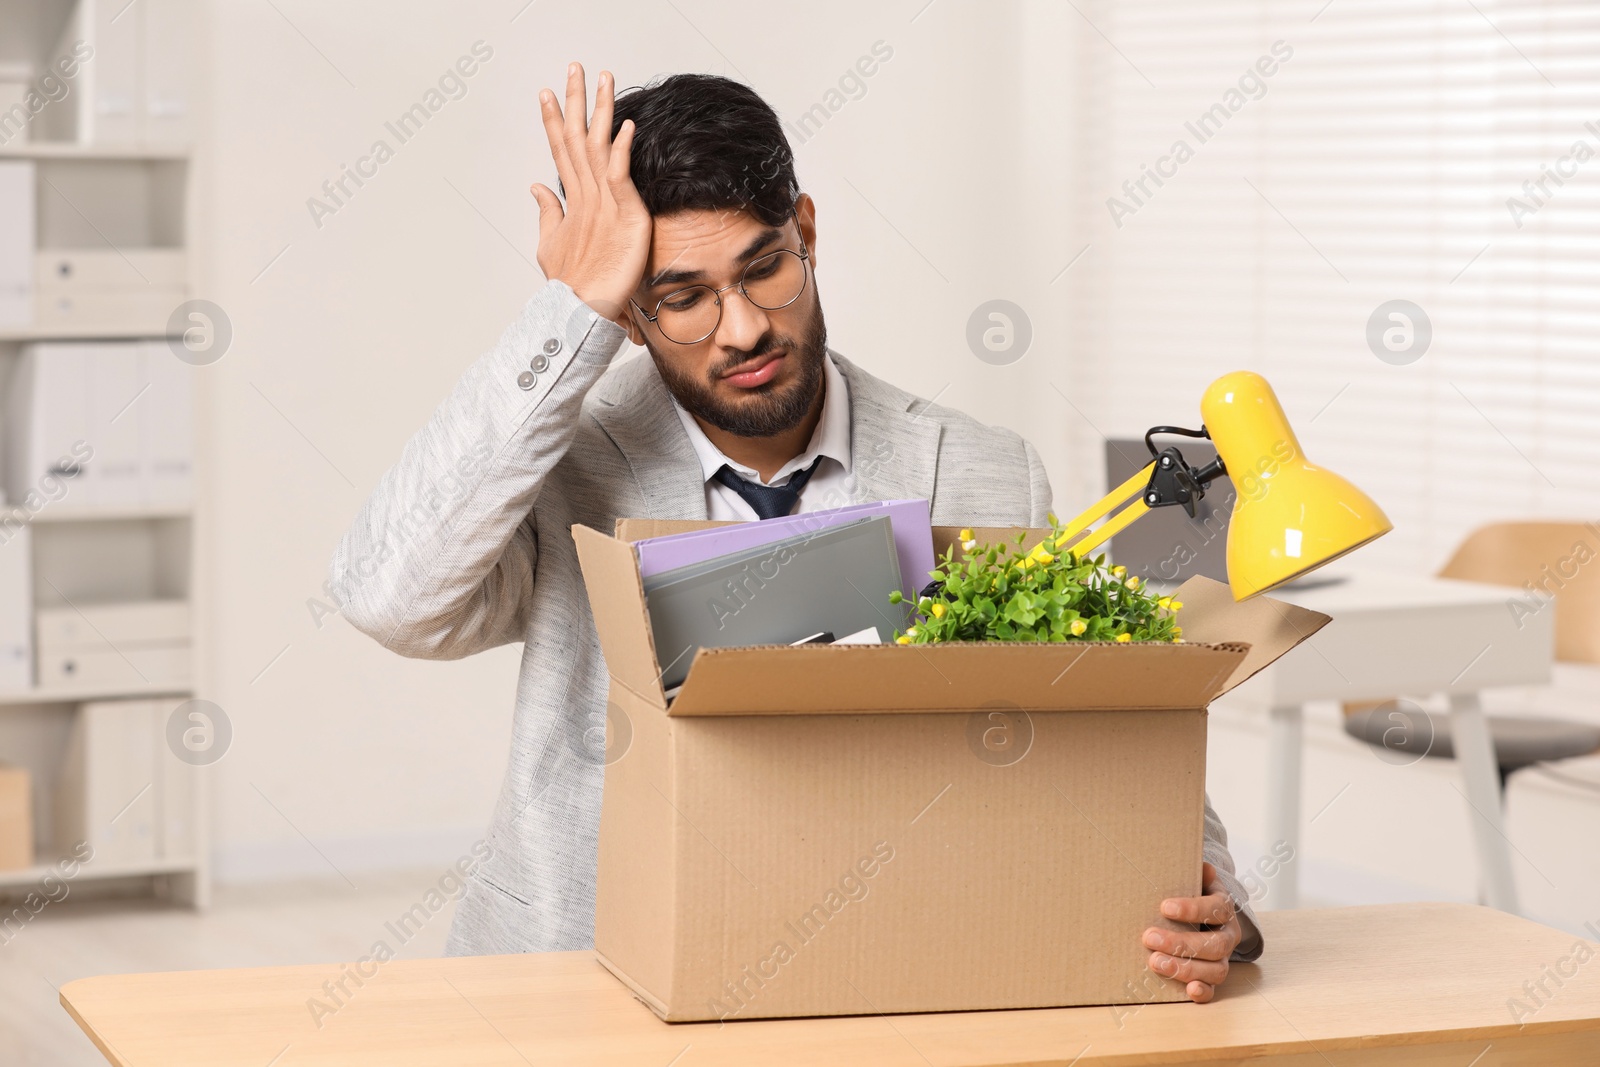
x=819 y=576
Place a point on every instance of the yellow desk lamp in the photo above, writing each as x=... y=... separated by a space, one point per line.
x=1290 y=517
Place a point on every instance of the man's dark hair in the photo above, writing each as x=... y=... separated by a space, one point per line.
x=708 y=143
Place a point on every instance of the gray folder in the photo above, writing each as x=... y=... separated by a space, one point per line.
x=837 y=579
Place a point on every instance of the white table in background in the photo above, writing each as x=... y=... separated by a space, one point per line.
x=1392 y=635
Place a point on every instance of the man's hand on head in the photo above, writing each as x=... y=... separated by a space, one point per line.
x=1197 y=957
x=600 y=242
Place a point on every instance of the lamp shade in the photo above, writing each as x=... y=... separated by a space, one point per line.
x=1289 y=516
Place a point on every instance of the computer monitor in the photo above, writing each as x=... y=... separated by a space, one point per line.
x=1167 y=546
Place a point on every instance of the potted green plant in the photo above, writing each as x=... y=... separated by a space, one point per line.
x=1001 y=592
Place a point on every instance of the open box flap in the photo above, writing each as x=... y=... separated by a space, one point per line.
x=958 y=676
x=616 y=597
x=1270 y=627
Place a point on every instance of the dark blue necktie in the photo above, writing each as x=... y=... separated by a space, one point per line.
x=770 y=501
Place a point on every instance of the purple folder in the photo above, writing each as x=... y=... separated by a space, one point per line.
x=913 y=538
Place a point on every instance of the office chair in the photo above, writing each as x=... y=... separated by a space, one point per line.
x=1512 y=554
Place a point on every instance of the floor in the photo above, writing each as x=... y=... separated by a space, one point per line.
x=255 y=926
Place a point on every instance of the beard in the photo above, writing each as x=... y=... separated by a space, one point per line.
x=766 y=410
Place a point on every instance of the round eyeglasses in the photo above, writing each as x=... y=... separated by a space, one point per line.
x=688 y=316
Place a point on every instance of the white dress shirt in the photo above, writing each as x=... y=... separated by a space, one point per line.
x=830 y=484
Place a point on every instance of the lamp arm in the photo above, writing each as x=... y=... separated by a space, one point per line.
x=1075 y=530
x=1166 y=479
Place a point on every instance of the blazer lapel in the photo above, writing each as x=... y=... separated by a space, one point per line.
x=636 y=412
x=894 y=449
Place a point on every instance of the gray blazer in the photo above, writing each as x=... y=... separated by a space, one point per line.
x=465 y=545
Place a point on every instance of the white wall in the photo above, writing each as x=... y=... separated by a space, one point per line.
x=348 y=334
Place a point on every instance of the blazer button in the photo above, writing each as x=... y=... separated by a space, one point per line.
x=552 y=346
x=526 y=379
x=539 y=363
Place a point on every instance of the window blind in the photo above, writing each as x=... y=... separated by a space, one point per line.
x=1446 y=154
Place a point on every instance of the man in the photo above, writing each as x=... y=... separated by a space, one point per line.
x=685 y=231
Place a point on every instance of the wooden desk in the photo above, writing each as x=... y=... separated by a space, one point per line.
x=1413 y=984
x=1396 y=635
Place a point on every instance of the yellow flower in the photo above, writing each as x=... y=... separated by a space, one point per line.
x=903 y=639
x=1177 y=604
x=937 y=610
x=1077 y=627
x=1177 y=640
x=1164 y=602
x=1177 y=630
x=966 y=534
x=1124 y=638
x=1119 y=570
x=1041 y=554
x=1132 y=583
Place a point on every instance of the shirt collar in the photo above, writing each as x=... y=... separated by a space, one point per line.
x=831 y=438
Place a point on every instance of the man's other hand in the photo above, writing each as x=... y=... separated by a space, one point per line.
x=1198 y=957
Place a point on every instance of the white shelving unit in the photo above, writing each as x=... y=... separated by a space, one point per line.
x=113 y=175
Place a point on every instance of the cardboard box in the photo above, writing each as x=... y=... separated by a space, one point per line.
x=107 y=668
x=832 y=830
x=134 y=643
x=93 y=626
x=92 y=272
x=16 y=819
x=137 y=313
x=136 y=289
